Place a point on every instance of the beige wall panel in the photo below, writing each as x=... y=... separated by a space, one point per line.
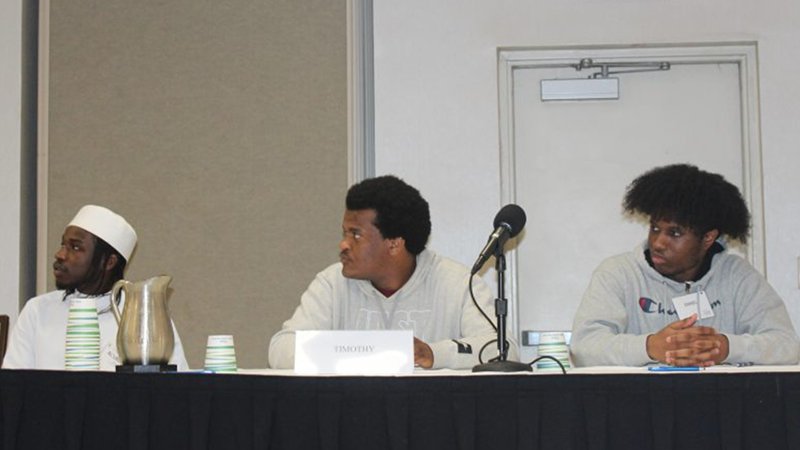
x=219 y=130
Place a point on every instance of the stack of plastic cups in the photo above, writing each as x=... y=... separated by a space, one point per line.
x=220 y=354
x=83 y=335
x=553 y=344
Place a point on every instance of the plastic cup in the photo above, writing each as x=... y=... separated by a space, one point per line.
x=82 y=347
x=220 y=354
x=553 y=344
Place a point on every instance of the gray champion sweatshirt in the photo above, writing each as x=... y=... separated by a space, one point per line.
x=627 y=300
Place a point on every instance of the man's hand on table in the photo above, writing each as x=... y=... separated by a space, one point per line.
x=423 y=355
x=682 y=344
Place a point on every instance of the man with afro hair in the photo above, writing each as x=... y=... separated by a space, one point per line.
x=628 y=315
x=387 y=280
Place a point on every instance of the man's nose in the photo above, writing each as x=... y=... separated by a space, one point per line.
x=343 y=244
x=61 y=253
x=659 y=241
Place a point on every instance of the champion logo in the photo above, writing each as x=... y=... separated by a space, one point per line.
x=648 y=305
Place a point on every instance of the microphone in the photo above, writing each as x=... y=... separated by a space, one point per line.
x=508 y=222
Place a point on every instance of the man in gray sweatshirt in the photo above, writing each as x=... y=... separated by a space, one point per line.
x=679 y=298
x=387 y=280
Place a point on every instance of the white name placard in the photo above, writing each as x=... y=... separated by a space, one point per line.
x=389 y=352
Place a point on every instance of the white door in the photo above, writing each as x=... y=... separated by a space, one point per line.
x=573 y=160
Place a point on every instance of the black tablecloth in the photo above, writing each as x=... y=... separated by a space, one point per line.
x=62 y=410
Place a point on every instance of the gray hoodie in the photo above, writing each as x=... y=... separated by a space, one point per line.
x=627 y=300
x=434 y=303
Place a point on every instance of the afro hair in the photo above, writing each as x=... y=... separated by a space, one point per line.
x=691 y=197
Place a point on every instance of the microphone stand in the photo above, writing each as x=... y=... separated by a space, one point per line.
x=501 y=311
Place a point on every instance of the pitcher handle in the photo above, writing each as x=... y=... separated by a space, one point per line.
x=119 y=285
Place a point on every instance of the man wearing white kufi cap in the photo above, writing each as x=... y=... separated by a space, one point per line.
x=95 y=249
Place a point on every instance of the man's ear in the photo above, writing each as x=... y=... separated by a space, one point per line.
x=709 y=238
x=396 y=245
x=111 y=262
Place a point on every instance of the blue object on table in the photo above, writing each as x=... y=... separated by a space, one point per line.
x=673 y=369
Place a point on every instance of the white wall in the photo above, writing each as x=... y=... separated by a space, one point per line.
x=437 y=113
x=10 y=123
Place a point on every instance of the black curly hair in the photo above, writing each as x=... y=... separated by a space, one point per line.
x=400 y=210
x=699 y=200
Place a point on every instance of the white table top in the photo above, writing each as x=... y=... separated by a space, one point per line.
x=605 y=370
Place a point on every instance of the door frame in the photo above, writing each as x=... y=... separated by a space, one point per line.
x=743 y=54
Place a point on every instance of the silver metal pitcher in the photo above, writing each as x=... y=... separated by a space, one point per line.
x=145 y=334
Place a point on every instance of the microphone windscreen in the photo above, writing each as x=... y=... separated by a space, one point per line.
x=513 y=216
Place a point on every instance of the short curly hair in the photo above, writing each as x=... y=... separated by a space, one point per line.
x=400 y=210
x=699 y=200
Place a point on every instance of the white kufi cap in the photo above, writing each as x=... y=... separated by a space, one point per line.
x=108 y=226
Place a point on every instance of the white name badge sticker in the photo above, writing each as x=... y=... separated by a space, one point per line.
x=694 y=303
x=389 y=352
x=109 y=359
x=705 y=307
